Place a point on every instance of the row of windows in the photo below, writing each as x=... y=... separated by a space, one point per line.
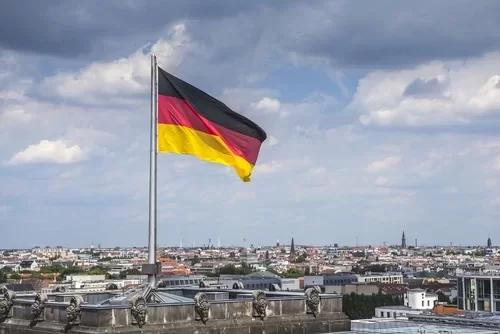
x=256 y=286
x=339 y=281
x=388 y=314
x=181 y=282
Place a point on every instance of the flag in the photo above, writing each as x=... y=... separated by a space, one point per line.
x=192 y=122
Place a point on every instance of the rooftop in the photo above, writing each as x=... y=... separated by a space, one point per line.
x=394 y=326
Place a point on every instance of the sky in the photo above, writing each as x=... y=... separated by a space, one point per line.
x=381 y=118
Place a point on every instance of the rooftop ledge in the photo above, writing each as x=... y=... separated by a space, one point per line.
x=207 y=309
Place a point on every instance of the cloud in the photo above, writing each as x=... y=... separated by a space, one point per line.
x=47 y=151
x=434 y=94
x=122 y=81
x=496 y=164
x=414 y=148
x=379 y=165
x=381 y=180
x=268 y=104
x=350 y=34
x=271 y=141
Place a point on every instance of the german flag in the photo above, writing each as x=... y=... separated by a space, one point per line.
x=192 y=122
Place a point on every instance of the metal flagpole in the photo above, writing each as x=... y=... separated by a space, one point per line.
x=151 y=268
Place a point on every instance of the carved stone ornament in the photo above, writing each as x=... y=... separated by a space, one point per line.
x=74 y=310
x=201 y=307
x=259 y=304
x=313 y=299
x=38 y=307
x=7 y=302
x=138 y=307
x=202 y=284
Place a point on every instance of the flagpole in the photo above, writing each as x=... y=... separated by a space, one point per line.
x=151 y=267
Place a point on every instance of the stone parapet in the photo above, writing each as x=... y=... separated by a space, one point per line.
x=282 y=313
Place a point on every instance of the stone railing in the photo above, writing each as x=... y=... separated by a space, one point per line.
x=246 y=309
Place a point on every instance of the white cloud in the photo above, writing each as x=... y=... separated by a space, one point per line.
x=496 y=163
x=15 y=115
x=275 y=166
x=271 y=141
x=47 y=151
x=269 y=167
x=381 y=180
x=438 y=93
x=379 y=165
x=121 y=81
x=268 y=104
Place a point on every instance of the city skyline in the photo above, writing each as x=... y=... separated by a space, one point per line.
x=374 y=125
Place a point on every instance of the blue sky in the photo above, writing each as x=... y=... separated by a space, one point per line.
x=380 y=118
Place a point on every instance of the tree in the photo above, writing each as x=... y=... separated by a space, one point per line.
x=97 y=270
x=55 y=268
x=3 y=277
x=132 y=271
x=442 y=298
x=293 y=273
x=72 y=271
x=36 y=275
x=363 y=307
x=15 y=276
x=195 y=260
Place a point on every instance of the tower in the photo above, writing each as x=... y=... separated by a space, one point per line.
x=489 y=242
x=403 y=241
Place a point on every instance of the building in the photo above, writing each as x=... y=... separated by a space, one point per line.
x=396 y=311
x=290 y=284
x=357 y=288
x=392 y=278
x=177 y=281
x=419 y=299
x=330 y=280
x=254 y=281
x=479 y=292
x=403 y=241
x=28 y=265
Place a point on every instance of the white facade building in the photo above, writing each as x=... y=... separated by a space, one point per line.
x=419 y=299
x=479 y=292
x=395 y=312
x=290 y=284
x=381 y=278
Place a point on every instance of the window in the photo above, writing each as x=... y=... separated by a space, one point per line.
x=428 y=303
x=381 y=314
x=483 y=288
x=423 y=303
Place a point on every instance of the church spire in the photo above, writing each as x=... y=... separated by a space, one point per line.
x=403 y=241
